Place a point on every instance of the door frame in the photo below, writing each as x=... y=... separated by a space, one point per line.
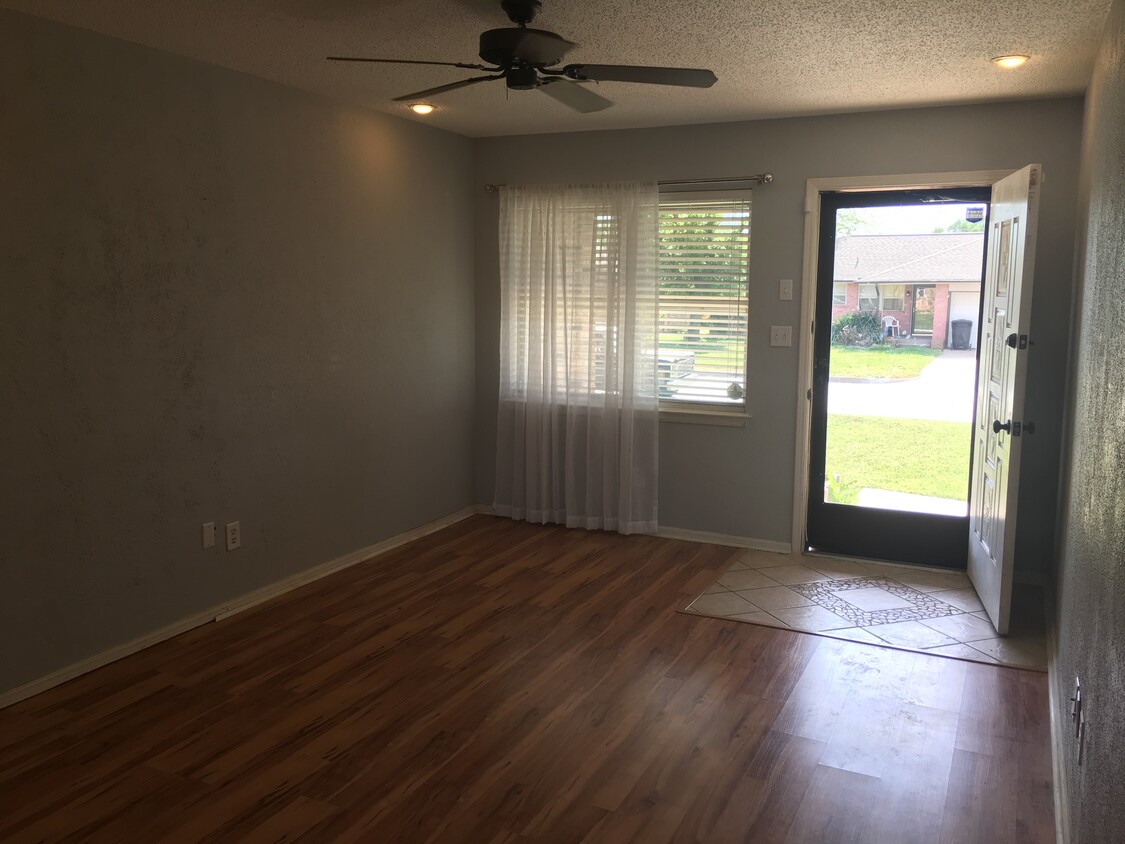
x=813 y=189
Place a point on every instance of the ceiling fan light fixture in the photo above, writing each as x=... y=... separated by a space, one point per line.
x=423 y=108
x=1013 y=60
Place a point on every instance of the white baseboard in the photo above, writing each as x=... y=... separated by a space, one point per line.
x=1060 y=722
x=258 y=596
x=701 y=536
x=228 y=608
x=725 y=539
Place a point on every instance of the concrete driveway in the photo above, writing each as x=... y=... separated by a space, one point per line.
x=944 y=390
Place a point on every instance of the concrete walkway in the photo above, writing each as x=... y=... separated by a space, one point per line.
x=944 y=390
x=886 y=499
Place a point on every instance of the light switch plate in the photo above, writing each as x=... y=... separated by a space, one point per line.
x=781 y=335
x=785 y=289
x=208 y=534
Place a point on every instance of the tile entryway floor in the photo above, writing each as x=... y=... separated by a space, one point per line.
x=917 y=609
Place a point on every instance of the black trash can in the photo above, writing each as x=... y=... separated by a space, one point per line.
x=962 y=333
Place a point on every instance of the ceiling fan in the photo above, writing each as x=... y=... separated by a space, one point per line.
x=526 y=59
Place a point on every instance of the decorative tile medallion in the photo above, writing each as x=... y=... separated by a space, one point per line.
x=921 y=604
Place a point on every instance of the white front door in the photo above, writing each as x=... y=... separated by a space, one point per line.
x=1000 y=428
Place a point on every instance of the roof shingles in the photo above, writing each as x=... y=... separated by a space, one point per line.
x=910 y=258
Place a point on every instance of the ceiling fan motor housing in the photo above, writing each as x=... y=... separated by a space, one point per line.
x=515 y=45
x=522 y=78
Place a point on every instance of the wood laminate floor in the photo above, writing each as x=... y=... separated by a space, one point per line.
x=502 y=682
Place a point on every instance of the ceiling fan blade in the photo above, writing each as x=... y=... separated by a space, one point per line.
x=687 y=77
x=441 y=89
x=574 y=95
x=406 y=61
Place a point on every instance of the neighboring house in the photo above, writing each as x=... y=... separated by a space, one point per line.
x=925 y=281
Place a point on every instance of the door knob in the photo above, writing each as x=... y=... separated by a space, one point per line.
x=997 y=427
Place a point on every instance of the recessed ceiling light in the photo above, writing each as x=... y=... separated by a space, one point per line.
x=1010 y=61
x=422 y=108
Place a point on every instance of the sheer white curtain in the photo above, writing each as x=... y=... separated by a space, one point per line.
x=578 y=418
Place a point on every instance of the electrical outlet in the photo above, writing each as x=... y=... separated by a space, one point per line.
x=785 y=289
x=208 y=534
x=781 y=335
x=234 y=536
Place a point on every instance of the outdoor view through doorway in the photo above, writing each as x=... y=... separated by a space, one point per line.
x=902 y=360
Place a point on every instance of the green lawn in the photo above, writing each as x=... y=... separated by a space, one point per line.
x=880 y=361
x=919 y=456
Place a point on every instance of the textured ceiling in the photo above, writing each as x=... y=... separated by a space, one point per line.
x=772 y=58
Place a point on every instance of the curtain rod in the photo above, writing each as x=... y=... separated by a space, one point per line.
x=760 y=178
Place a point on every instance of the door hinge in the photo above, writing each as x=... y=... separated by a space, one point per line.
x=1017 y=341
x=808 y=394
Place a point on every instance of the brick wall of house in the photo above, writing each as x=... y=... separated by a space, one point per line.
x=941 y=315
x=902 y=316
x=850 y=304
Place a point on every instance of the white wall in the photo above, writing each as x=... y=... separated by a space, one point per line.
x=220 y=299
x=740 y=480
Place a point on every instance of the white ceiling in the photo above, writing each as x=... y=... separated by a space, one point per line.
x=772 y=58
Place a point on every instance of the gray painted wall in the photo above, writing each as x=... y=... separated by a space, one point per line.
x=220 y=299
x=740 y=480
x=1091 y=578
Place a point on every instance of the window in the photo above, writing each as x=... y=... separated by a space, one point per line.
x=869 y=297
x=703 y=274
x=839 y=293
x=892 y=296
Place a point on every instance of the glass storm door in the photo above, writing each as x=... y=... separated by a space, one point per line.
x=891 y=418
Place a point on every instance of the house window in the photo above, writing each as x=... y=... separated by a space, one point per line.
x=869 y=297
x=892 y=296
x=704 y=262
x=839 y=293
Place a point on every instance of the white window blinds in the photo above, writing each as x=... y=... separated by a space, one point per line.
x=704 y=262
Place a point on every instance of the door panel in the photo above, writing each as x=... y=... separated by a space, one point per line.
x=999 y=427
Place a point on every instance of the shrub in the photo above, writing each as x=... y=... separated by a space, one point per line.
x=840 y=492
x=860 y=328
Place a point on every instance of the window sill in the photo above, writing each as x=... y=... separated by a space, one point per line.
x=733 y=418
